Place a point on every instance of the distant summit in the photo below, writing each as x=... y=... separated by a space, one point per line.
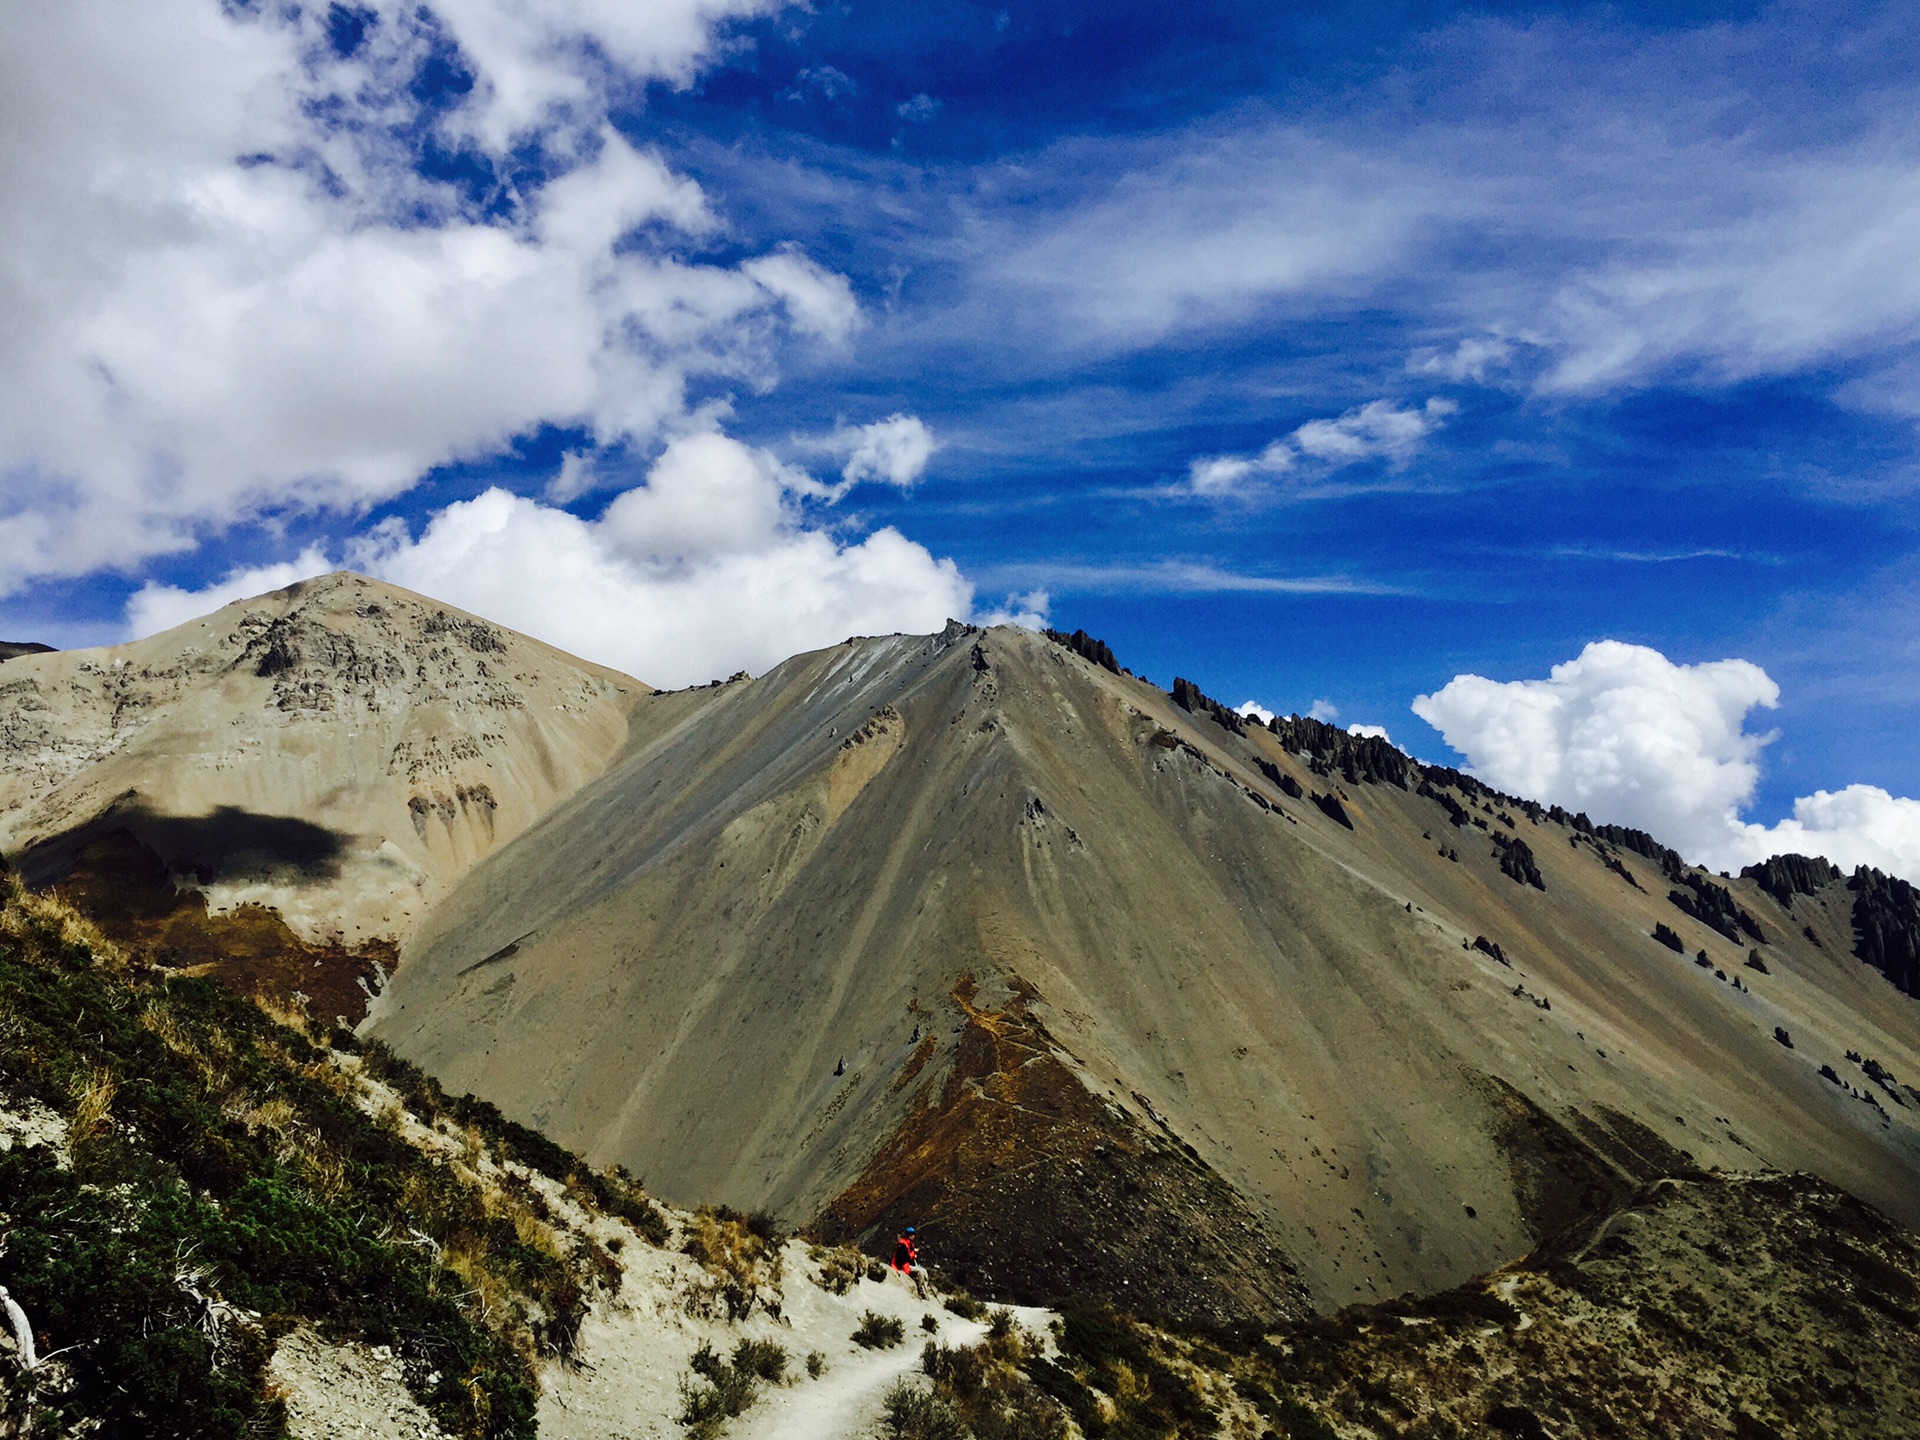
x=13 y=649
x=337 y=752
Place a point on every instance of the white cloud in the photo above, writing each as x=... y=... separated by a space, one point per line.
x=1628 y=227
x=577 y=475
x=1203 y=228
x=893 y=451
x=1223 y=474
x=1324 y=710
x=825 y=81
x=154 y=608
x=1254 y=710
x=1817 y=261
x=533 y=62
x=1370 y=732
x=715 y=564
x=1029 y=611
x=818 y=302
x=1631 y=738
x=1469 y=360
x=1860 y=825
x=920 y=109
x=1378 y=430
x=708 y=568
x=189 y=340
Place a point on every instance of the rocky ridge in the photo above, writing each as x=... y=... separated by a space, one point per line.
x=338 y=751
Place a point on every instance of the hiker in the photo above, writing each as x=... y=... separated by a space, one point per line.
x=906 y=1259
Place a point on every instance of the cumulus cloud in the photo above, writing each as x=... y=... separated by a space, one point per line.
x=893 y=451
x=1632 y=738
x=1378 y=430
x=155 y=607
x=1254 y=710
x=231 y=291
x=1028 y=610
x=1324 y=710
x=1370 y=732
x=713 y=565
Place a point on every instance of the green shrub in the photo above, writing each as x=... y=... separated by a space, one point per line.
x=879 y=1332
x=762 y=1358
x=964 y=1305
x=913 y=1414
x=225 y=1143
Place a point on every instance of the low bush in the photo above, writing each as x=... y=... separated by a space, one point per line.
x=714 y=1392
x=879 y=1332
x=762 y=1358
x=840 y=1267
x=964 y=1305
x=910 y=1413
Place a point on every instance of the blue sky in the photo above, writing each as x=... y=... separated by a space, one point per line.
x=1320 y=353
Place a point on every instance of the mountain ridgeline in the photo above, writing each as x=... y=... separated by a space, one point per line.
x=1113 y=992
x=1109 y=988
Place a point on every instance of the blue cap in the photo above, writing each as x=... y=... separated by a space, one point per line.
x=909 y=1229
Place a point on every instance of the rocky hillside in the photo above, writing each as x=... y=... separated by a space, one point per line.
x=224 y=1221
x=336 y=754
x=1117 y=993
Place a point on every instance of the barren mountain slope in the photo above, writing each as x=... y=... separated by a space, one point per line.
x=340 y=750
x=970 y=930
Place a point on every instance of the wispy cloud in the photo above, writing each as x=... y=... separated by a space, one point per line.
x=1654 y=217
x=1172 y=577
x=1378 y=430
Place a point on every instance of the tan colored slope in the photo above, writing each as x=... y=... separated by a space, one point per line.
x=341 y=750
x=720 y=964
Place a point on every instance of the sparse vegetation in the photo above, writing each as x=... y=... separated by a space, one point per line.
x=915 y=1414
x=879 y=1332
x=983 y=1387
x=714 y=1391
x=840 y=1267
x=224 y=1182
x=1779 y=1302
x=741 y=1255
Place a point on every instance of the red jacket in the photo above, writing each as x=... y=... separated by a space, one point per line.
x=905 y=1256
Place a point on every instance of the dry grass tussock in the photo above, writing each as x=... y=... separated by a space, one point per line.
x=741 y=1256
x=30 y=917
x=93 y=1093
x=840 y=1266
